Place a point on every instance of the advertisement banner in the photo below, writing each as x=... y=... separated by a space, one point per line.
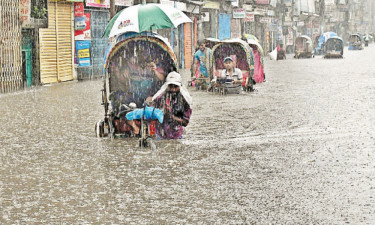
x=98 y=3
x=83 y=53
x=84 y=34
x=25 y=10
x=78 y=9
x=289 y=38
x=80 y=23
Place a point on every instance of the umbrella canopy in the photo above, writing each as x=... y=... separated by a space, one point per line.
x=139 y=18
x=251 y=37
x=252 y=40
x=324 y=37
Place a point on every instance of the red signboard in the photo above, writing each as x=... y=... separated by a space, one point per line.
x=78 y=9
x=249 y=17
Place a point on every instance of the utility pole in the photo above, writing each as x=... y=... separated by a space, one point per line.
x=112 y=8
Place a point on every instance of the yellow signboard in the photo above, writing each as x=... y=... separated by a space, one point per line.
x=84 y=53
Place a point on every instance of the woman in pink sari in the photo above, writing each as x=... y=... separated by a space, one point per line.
x=258 y=70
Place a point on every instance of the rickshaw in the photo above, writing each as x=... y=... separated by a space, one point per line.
x=322 y=40
x=211 y=42
x=243 y=58
x=128 y=82
x=334 y=48
x=196 y=81
x=355 y=42
x=258 y=53
x=303 y=47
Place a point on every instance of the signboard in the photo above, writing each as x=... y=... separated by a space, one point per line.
x=265 y=20
x=273 y=3
x=288 y=2
x=211 y=5
x=263 y=2
x=178 y=5
x=300 y=23
x=124 y=2
x=235 y=28
x=330 y=2
x=343 y=8
x=181 y=6
x=234 y=3
x=84 y=34
x=167 y=2
x=239 y=13
x=248 y=7
x=25 y=10
x=78 y=9
x=83 y=53
x=260 y=11
x=288 y=23
x=98 y=3
x=249 y=17
x=270 y=13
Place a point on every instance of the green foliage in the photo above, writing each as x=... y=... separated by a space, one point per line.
x=39 y=13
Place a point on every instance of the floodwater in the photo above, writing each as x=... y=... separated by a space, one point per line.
x=299 y=150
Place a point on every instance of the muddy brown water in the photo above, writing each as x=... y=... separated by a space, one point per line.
x=299 y=150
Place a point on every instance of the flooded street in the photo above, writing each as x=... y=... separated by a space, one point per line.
x=299 y=150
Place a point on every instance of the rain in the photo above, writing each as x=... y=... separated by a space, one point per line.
x=294 y=146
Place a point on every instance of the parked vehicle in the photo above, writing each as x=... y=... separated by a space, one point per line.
x=334 y=48
x=303 y=47
x=129 y=80
x=243 y=58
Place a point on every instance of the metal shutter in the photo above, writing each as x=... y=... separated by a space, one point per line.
x=10 y=46
x=47 y=42
x=56 y=50
x=64 y=30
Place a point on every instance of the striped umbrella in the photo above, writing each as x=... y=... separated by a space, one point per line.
x=139 y=18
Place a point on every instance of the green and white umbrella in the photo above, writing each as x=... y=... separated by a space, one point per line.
x=139 y=18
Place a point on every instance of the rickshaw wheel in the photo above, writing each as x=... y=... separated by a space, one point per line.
x=99 y=128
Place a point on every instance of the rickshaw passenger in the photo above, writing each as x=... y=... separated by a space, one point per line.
x=145 y=78
x=175 y=101
x=232 y=77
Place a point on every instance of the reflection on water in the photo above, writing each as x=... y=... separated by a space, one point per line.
x=299 y=150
